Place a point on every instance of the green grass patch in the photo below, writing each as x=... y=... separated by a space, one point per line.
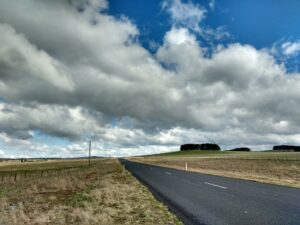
x=192 y=153
x=46 y=165
x=291 y=156
x=78 y=199
x=3 y=192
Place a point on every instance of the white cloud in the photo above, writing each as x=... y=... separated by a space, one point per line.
x=291 y=48
x=20 y=58
x=71 y=122
x=90 y=77
x=179 y=36
x=190 y=15
x=187 y=14
x=286 y=51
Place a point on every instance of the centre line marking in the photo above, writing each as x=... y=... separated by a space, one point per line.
x=215 y=185
x=168 y=173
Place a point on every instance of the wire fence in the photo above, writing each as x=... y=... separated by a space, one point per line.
x=20 y=175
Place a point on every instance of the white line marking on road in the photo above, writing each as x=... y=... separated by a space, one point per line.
x=168 y=173
x=215 y=185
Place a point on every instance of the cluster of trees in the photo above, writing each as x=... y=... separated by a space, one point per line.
x=286 y=148
x=244 y=149
x=215 y=147
x=206 y=146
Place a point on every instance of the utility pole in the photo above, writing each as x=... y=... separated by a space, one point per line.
x=90 y=146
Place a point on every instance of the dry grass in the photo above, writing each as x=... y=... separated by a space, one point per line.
x=268 y=167
x=43 y=165
x=103 y=194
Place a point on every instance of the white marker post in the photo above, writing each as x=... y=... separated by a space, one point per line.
x=185 y=165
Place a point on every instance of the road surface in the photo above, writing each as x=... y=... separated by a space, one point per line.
x=213 y=200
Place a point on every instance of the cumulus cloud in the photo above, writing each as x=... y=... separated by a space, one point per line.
x=190 y=15
x=62 y=121
x=286 y=51
x=20 y=59
x=187 y=14
x=285 y=48
x=70 y=70
x=291 y=48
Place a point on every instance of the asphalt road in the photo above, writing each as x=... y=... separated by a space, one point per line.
x=205 y=199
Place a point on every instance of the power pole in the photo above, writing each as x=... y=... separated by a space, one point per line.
x=90 y=147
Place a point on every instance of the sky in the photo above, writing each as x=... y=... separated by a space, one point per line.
x=142 y=77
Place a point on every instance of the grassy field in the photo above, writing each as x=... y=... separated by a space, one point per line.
x=193 y=153
x=44 y=165
x=281 y=168
x=102 y=194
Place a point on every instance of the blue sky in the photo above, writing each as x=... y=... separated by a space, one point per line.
x=258 y=22
x=140 y=77
x=261 y=23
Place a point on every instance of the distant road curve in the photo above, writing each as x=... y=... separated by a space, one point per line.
x=213 y=200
